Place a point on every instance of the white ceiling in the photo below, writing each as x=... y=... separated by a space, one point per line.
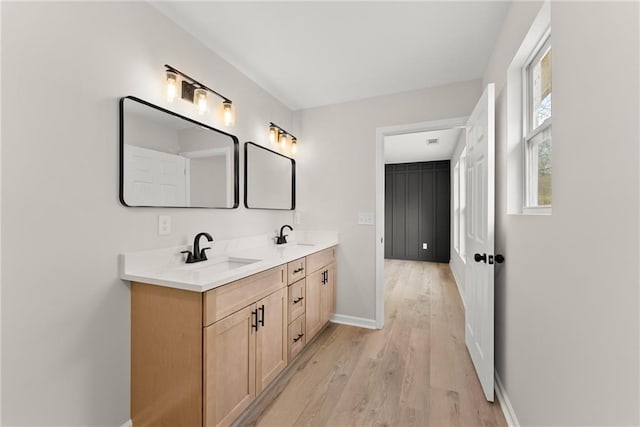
x=412 y=147
x=308 y=54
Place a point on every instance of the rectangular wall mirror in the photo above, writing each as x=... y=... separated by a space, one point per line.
x=269 y=179
x=168 y=160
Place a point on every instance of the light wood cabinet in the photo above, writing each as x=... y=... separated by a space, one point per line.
x=229 y=367
x=200 y=359
x=296 y=270
x=328 y=294
x=313 y=309
x=243 y=353
x=320 y=291
x=296 y=299
x=297 y=337
x=271 y=338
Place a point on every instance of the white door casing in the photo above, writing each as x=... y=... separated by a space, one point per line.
x=479 y=238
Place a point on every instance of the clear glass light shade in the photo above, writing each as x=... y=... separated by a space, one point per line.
x=273 y=134
x=200 y=99
x=227 y=111
x=283 y=140
x=172 y=86
x=294 y=146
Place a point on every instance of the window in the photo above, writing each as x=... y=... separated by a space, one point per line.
x=537 y=128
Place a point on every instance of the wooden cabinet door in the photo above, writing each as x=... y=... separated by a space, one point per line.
x=229 y=367
x=328 y=293
x=313 y=305
x=271 y=338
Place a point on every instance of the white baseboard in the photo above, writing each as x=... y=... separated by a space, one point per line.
x=505 y=404
x=129 y=423
x=360 y=322
x=455 y=279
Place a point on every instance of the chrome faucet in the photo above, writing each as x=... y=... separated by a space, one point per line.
x=198 y=254
x=282 y=238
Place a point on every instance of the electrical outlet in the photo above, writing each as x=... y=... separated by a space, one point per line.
x=297 y=218
x=366 y=218
x=424 y=246
x=164 y=225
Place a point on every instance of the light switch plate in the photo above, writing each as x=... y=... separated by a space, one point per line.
x=164 y=225
x=366 y=218
x=424 y=246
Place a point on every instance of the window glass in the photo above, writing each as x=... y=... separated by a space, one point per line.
x=540 y=74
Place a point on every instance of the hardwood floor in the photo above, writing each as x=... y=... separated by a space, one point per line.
x=414 y=372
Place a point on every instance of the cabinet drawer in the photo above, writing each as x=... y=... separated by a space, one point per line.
x=225 y=300
x=296 y=270
x=296 y=299
x=297 y=338
x=320 y=259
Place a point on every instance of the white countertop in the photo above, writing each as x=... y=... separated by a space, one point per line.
x=166 y=267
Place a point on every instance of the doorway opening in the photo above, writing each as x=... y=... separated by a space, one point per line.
x=418 y=168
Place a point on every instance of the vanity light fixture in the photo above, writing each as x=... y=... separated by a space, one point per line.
x=193 y=91
x=279 y=135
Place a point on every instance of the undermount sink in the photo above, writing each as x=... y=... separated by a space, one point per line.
x=218 y=265
x=302 y=244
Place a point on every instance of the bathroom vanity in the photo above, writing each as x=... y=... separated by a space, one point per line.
x=207 y=339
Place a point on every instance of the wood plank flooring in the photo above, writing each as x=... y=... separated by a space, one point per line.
x=414 y=372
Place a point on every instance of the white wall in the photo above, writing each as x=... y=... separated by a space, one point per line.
x=337 y=175
x=567 y=296
x=65 y=312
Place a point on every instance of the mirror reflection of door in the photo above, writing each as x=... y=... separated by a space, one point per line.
x=171 y=161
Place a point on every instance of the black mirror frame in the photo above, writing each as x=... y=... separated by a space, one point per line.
x=293 y=177
x=236 y=156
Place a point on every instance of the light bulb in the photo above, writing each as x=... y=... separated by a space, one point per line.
x=294 y=146
x=283 y=140
x=172 y=86
x=273 y=134
x=227 y=109
x=200 y=99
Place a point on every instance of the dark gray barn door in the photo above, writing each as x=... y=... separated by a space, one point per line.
x=417 y=211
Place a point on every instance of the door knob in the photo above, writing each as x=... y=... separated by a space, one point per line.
x=478 y=258
x=499 y=258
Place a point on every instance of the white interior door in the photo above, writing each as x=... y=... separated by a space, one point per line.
x=480 y=191
x=154 y=178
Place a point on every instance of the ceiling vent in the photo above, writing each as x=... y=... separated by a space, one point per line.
x=432 y=141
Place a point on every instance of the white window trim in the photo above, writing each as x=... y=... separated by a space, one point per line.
x=514 y=173
x=536 y=53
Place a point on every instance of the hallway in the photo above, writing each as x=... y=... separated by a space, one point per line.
x=416 y=371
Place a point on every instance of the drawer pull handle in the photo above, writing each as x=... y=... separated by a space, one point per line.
x=297 y=300
x=298 y=338
x=298 y=270
x=261 y=308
